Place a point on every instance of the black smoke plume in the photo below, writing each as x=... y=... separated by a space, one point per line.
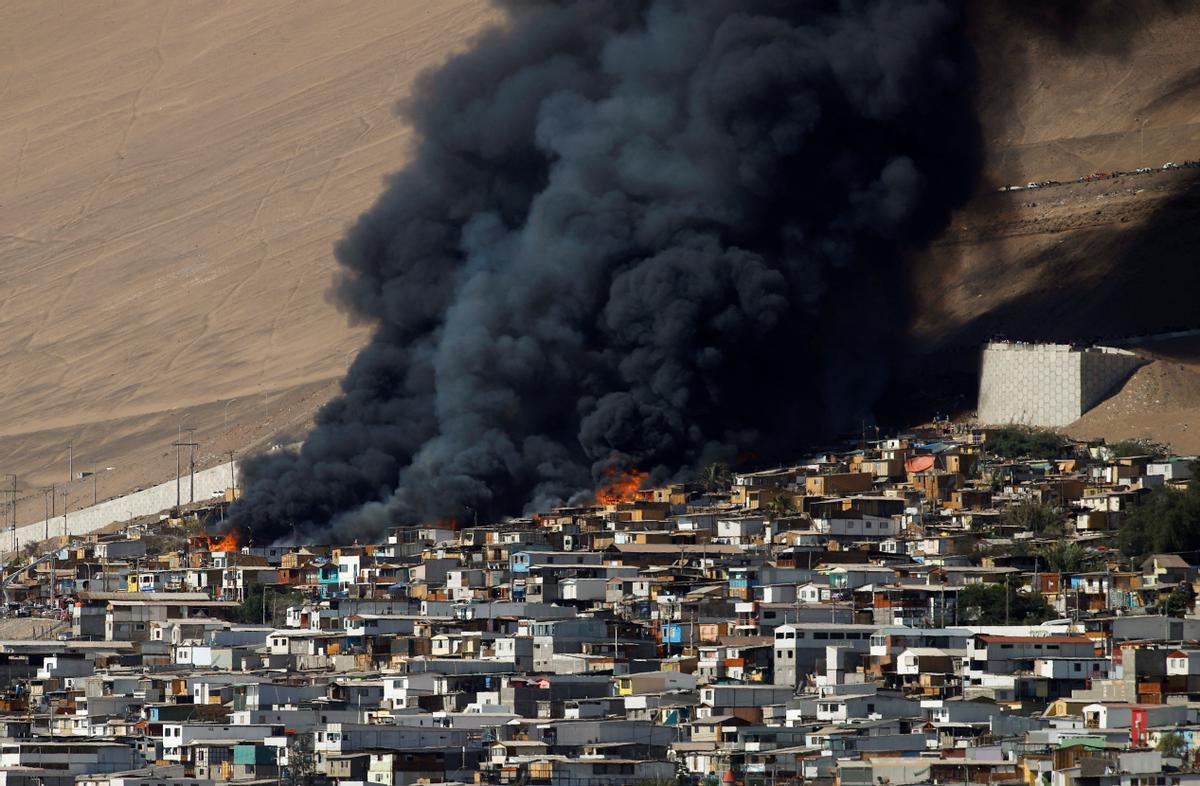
x=647 y=233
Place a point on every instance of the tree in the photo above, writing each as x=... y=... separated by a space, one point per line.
x=1180 y=601
x=1172 y=744
x=716 y=477
x=1136 y=447
x=985 y=604
x=1030 y=516
x=301 y=763
x=1064 y=556
x=1166 y=521
x=1014 y=442
x=779 y=506
x=274 y=600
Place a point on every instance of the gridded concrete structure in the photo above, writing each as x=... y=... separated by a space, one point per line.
x=1048 y=384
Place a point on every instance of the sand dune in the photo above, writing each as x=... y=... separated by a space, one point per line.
x=172 y=178
x=174 y=174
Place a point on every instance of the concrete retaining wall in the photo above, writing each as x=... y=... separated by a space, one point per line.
x=140 y=503
x=1048 y=385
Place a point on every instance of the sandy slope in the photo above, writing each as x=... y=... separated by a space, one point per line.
x=1161 y=401
x=1085 y=262
x=1120 y=90
x=173 y=174
x=172 y=178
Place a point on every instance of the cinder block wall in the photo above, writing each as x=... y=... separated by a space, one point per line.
x=1104 y=370
x=1030 y=384
x=1047 y=385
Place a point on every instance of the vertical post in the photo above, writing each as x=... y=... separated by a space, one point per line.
x=178 y=446
x=232 y=476
x=13 y=506
x=192 y=465
x=70 y=461
x=95 y=486
x=46 y=498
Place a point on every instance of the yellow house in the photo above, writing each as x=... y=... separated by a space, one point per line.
x=1065 y=708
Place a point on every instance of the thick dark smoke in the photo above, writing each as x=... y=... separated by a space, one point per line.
x=647 y=233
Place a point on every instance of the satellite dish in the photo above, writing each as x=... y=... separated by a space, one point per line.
x=919 y=463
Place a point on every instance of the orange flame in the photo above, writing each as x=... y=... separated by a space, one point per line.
x=620 y=485
x=231 y=542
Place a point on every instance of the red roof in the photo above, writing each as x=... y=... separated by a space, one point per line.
x=1035 y=639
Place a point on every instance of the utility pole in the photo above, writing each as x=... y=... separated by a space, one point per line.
x=179 y=445
x=192 y=465
x=232 y=476
x=11 y=510
x=47 y=495
x=95 y=486
x=70 y=461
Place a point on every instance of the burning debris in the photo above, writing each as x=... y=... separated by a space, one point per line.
x=620 y=237
x=620 y=486
x=230 y=541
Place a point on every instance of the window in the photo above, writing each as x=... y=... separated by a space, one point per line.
x=1078 y=667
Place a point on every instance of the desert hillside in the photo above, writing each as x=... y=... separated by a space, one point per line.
x=1160 y=402
x=1092 y=261
x=172 y=178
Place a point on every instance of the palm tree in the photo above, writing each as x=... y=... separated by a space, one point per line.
x=779 y=506
x=716 y=477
